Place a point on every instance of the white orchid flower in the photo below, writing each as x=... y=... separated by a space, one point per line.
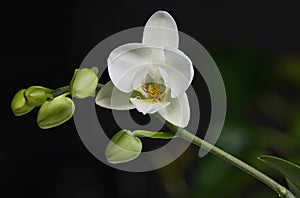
x=151 y=76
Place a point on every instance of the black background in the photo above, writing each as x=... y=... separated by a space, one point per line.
x=42 y=43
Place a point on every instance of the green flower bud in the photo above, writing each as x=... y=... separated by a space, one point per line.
x=37 y=95
x=55 y=112
x=84 y=82
x=19 y=104
x=123 y=147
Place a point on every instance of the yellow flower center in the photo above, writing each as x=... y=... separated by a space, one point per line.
x=154 y=91
x=153 y=88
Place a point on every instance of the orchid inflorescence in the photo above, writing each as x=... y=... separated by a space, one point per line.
x=55 y=105
x=151 y=77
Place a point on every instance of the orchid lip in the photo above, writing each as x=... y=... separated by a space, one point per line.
x=148 y=106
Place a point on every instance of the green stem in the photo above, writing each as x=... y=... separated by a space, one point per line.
x=60 y=91
x=182 y=133
x=99 y=86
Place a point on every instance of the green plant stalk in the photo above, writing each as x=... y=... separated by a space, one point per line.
x=182 y=133
x=60 y=91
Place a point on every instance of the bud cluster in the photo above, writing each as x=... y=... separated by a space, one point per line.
x=27 y=99
x=55 y=105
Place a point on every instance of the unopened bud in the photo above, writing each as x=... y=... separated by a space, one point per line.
x=37 y=95
x=84 y=82
x=123 y=147
x=19 y=104
x=55 y=112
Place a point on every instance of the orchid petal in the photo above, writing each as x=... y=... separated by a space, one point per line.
x=177 y=71
x=125 y=61
x=148 y=106
x=158 y=54
x=110 y=97
x=139 y=78
x=178 y=112
x=161 y=31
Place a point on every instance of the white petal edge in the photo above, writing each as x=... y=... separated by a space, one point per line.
x=112 y=98
x=177 y=70
x=144 y=106
x=161 y=30
x=178 y=112
x=125 y=61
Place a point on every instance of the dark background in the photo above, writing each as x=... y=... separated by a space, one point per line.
x=255 y=44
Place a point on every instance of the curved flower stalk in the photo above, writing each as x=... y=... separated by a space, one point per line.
x=151 y=76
